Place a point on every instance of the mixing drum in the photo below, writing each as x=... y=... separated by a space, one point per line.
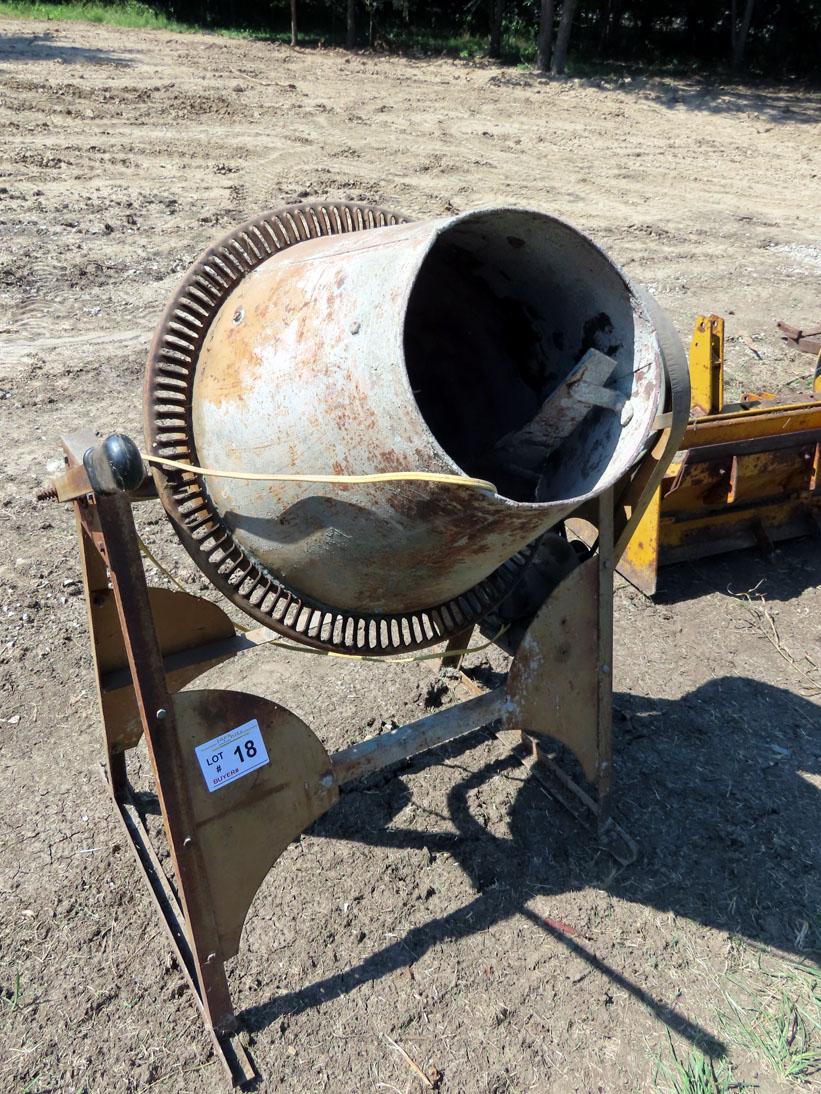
x=501 y=344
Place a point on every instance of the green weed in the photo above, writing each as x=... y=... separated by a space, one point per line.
x=782 y=1030
x=697 y=1074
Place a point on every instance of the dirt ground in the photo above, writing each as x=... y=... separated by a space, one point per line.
x=449 y=908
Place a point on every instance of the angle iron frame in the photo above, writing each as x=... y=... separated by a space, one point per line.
x=149 y=643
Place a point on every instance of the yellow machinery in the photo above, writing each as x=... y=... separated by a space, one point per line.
x=746 y=474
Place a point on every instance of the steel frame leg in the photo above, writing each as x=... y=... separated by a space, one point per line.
x=107 y=540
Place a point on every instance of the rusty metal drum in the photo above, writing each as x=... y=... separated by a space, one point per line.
x=501 y=344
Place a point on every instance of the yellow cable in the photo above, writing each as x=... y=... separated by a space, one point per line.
x=152 y=558
x=326 y=653
x=390 y=660
x=145 y=550
x=348 y=480
x=390 y=476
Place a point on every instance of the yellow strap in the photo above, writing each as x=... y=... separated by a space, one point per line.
x=333 y=480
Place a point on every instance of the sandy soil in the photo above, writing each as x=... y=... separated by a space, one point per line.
x=419 y=912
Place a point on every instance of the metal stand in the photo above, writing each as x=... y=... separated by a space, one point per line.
x=149 y=643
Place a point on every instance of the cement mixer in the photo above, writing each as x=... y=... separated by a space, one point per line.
x=373 y=436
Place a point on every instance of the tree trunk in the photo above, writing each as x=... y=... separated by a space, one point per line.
x=497 y=10
x=611 y=25
x=350 y=25
x=294 y=33
x=372 y=23
x=563 y=37
x=738 y=34
x=545 y=36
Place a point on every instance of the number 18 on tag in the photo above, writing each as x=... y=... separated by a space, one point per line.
x=225 y=759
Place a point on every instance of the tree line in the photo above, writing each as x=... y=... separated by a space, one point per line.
x=774 y=37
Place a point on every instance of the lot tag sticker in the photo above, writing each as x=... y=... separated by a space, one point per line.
x=225 y=759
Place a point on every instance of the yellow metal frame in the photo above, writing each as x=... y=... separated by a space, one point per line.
x=744 y=475
x=707 y=365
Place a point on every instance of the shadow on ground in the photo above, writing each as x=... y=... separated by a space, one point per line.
x=710 y=785
x=796 y=103
x=42 y=47
x=781 y=575
x=773 y=103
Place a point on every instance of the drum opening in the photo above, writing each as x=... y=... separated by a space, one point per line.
x=501 y=321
